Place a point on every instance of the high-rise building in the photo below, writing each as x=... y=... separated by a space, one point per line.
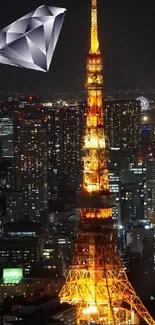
x=150 y=177
x=11 y=205
x=133 y=194
x=6 y=137
x=31 y=160
x=138 y=234
x=6 y=151
x=6 y=173
x=122 y=126
x=148 y=254
x=66 y=126
x=6 y=169
x=147 y=133
x=114 y=186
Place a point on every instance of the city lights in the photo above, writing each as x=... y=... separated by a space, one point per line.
x=144 y=103
x=12 y=275
x=77 y=174
x=97 y=282
x=145 y=118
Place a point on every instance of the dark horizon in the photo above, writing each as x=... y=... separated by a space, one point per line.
x=126 y=35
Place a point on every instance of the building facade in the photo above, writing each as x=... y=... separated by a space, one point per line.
x=31 y=160
x=122 y=125
x=66 y=127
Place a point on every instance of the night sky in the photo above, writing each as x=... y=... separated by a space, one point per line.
x=127 y=41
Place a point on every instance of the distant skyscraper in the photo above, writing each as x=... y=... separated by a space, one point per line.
x=122 y=123
x=148 y=254
x=31 y=159
x=150 y=188
x=138 y=235
x=8 y=203
x=147 y=134
x=66 y=127
x=6 y=137
x=114 y=186
x=6 y=174
x=133 y=194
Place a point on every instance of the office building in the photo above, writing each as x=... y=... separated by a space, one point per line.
x=133 y=194
x=6 y=173
x=65 y=224
x=148 y=255
x=11 y=205
x=6 y=151
x=147 y=134
x=16 y=252
x=31 y=160
x=122 y=126
x=137 y=237
x=66 y=127
x=21 y=245
x=53 y=260
x=150 y=176
x=29 y=287
x=6 y=130
x=115 y=185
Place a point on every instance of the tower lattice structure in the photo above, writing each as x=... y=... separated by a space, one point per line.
x=97 y=282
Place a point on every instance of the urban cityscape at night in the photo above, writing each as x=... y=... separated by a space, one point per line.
x=77 y=174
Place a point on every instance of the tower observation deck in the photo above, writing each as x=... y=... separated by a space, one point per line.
x=96 y=281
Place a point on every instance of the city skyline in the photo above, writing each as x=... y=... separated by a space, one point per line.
x=77 y=179
x=127 y=29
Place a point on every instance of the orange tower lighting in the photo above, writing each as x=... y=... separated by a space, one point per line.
x=97 y=282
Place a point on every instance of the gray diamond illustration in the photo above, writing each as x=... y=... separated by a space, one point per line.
x=30 y=41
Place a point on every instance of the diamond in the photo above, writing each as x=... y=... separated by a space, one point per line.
x=30 y=41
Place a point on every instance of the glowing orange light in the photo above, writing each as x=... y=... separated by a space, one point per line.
x=97 y=282
x=95 y=213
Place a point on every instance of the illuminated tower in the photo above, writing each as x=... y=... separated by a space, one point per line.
x=96 y=282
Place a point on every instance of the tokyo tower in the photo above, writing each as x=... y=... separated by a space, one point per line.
x=97 y=282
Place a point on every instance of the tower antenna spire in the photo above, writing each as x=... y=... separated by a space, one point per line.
x=97 y=282
x=94 y=48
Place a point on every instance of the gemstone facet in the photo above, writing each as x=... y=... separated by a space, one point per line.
x=30 y=41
